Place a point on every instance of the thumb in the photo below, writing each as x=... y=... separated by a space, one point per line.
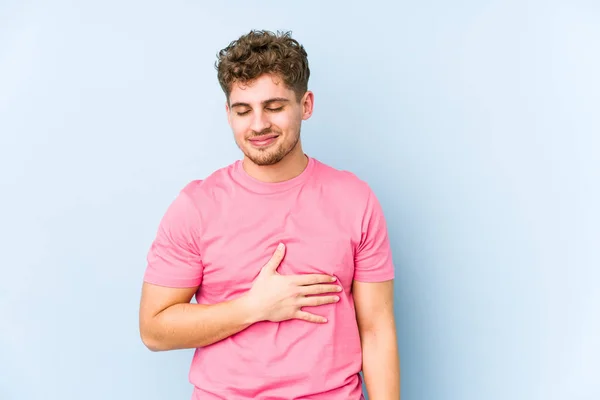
x=276 y=258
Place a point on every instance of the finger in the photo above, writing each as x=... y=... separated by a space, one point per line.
x=313 y=279
x=317 y=301
x=310 y=317
x=276 y=258
x=319 y=289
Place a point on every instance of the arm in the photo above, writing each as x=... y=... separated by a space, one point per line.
x=174 y=273
x=168 y=321
x=375 y=317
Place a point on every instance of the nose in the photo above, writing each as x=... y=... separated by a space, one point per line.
x=260 y=122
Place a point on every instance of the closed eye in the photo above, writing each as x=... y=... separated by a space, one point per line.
x=268 y=109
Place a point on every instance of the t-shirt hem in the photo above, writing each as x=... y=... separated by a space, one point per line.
x=374 y=278
x=171 y=282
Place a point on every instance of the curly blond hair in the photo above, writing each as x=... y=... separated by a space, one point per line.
x=263 y=52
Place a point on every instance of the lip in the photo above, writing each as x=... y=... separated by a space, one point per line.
x=263 y=138
x=263 y=141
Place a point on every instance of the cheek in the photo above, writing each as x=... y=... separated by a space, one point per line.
x=239 y=128
x=283 y=121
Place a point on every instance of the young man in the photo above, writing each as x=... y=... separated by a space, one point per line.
x=288 y=258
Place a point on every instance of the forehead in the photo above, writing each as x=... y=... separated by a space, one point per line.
x=262 y=88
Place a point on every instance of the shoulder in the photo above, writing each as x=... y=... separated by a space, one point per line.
x=201 y=193
x=343 y=183
x=200 y=188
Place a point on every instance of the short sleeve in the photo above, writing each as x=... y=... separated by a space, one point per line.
x=173 y=259
x=373 y=257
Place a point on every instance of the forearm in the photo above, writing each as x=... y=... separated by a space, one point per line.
x=381 y=364
x=186 y=326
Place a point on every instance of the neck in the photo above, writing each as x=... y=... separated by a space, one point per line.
x=292 y=165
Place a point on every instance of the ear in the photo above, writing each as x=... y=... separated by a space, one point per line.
x=308 y=103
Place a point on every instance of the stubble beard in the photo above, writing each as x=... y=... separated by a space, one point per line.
x=271 y=156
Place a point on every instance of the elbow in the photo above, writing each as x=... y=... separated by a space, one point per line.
x=152 y=344
x=151 y=341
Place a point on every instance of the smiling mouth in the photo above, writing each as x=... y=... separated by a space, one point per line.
x=263 y=140
x=264 y=137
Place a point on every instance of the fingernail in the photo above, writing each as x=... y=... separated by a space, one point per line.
x=333 y=279
x=280 y=247
x=337 y=298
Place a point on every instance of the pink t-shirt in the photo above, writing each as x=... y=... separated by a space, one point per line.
x=219 y=232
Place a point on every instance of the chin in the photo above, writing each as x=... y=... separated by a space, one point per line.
x=265 y=161
x=266 y=157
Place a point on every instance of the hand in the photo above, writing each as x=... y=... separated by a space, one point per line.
x=275 y=297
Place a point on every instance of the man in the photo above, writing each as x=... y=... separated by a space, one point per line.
x=288 y=258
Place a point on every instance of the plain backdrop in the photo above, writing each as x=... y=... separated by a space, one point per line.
x=476 y=123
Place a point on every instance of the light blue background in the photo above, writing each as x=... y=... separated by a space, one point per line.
x=477 y=124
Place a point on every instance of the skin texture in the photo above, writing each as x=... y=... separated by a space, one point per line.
x=375 y=316
x=266 y=106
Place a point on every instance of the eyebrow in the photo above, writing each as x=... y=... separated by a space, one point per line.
x=264 y=103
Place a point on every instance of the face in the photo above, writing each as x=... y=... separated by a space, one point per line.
x=265 y=117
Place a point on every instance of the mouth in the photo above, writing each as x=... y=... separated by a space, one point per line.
x=262 y=141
